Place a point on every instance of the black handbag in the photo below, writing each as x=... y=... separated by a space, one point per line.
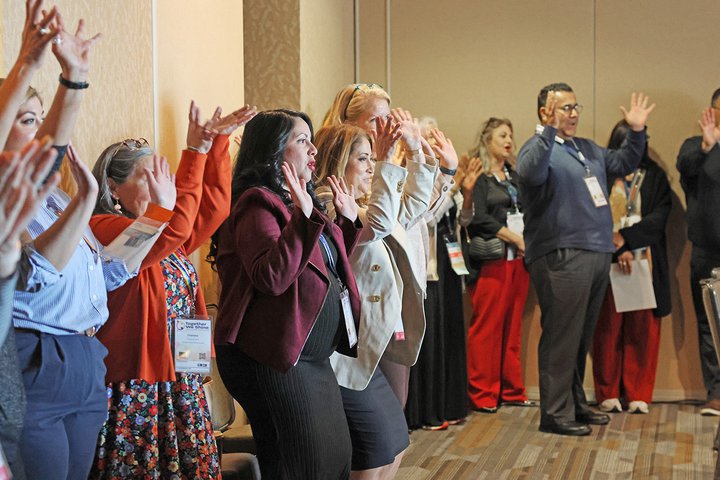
x=481 y=249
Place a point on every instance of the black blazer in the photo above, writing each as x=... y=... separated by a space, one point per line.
x=656 y=202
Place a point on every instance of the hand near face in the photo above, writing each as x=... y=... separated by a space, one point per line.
x=385 y=138
x=549 y=111
x=639 y=111
x=410 y=130
x=73 y=51
x=161 y=183
x=444 y=149
x=343 y=198
x=21 y=191
x=39 y=30
x=298 y=189
x=710 y=131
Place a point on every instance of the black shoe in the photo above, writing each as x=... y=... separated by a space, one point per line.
x=592 y=418
x=566 y=428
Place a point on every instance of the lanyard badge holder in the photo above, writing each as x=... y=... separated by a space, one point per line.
x=344 y=297
x=515 y=222
x=591 y=182
x=192 y=336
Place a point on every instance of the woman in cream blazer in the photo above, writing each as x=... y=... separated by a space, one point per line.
x=391 y=294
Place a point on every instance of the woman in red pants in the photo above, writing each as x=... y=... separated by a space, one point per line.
x=626 y=345
x=500 y=286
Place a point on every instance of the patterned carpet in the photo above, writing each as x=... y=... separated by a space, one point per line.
x=671 y=442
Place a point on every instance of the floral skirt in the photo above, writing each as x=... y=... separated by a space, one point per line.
x=157 y=430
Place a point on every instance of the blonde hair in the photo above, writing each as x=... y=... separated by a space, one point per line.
x=334 y=144
x=29 y=93
x=482 y=141
x=352 y=101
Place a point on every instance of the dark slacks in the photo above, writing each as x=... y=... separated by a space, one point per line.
x=570 y=285
x=701 y=264
x=64 y=378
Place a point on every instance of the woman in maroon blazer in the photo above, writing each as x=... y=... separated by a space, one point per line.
x=288 y=301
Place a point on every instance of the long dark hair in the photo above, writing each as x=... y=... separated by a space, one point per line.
x=619 y=134
x=261 y=155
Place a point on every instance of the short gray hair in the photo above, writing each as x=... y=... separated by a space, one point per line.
x=116 y=162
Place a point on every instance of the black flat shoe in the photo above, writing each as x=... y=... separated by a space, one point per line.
x=592 y=418
x=574 y=429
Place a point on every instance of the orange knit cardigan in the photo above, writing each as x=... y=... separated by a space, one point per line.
x=136 y=333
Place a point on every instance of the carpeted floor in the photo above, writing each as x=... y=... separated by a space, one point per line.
x=671 y=442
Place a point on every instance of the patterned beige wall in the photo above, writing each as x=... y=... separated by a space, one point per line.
x=119 y=102
x=272 y=53
x=326 y=53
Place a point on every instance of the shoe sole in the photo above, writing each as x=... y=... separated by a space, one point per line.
x=710 y=412
x=551 y=430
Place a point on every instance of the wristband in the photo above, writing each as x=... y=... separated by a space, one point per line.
x=73 y=85
x=412 y=151
x=448 y=171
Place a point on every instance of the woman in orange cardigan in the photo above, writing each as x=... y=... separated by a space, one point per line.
x=158 y=423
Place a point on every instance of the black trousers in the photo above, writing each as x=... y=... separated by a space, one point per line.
x=570 y=285
x=701 y=264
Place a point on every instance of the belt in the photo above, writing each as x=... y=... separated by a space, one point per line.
x=88 y=332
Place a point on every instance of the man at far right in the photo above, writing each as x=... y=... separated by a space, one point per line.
x=699 y=165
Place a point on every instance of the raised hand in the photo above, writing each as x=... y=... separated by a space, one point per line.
x=343 y=198
x=409 y=128
x=73 y=51
x=298 y=189
x=639 y=111
x=38 y=31
x=550 y=110
x=229 y=123
x=199 y=135
x=87 y=187
x=472 y=170
x=161 y=183
x=710 y=131
x=385 y=138
x=444 y=149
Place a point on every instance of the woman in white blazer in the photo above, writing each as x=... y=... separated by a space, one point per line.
x=388 y=287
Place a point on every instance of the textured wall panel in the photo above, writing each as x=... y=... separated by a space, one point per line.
x=119 y=102
x=272 y=53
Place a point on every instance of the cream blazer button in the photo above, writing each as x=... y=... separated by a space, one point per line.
x=375 y=268
x=400 y=186
x=374 y=298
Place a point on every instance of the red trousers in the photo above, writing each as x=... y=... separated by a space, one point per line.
x=493 y=340
x=625 y=353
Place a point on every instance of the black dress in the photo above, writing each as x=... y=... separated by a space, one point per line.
x=297 y=417
x=438 y=381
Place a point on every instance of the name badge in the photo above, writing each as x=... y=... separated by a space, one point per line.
x=596 y=193
x=193 y=340
x=349 y=319
x=457 y=262
x=515 y=222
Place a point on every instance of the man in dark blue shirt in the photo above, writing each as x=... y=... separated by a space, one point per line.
x=569 y=244
x=699 y=165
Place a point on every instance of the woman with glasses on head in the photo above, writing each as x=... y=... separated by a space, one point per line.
x=158 y=423
x=288 y=301
x=498 y=284
x=360 y=105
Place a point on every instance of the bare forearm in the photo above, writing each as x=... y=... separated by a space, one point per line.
x=62 y=116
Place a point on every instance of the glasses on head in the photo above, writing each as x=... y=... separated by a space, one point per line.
x=569 y=108
x=365 y=87
x=130 y=144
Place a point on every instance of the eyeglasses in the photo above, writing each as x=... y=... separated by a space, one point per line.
x=365 y=87
x=130 y=144
x=568 y=108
